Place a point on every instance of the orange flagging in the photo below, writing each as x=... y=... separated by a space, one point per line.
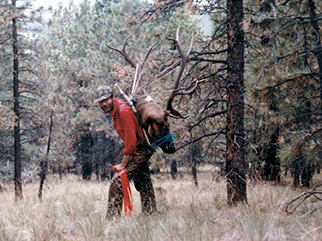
x=127 y=194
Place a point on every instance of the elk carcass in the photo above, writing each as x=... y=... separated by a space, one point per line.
x=154 y=118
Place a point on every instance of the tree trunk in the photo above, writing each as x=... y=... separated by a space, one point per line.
x=17 y=137
x=85 y=151
x=194 y=172
x=97 y=170
x=174 y=169
x=318 y=53
x=272 y=167
x=42 y=174
x=235 y=162
x=307 y=174
x=193 y=162
x=60 y=171
x=298 y=165
x=296 y=173
x=44 y=164
x=87 y=169
x=318 y=47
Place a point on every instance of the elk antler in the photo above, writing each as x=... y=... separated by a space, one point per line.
x=175 y=90
x=138 y=67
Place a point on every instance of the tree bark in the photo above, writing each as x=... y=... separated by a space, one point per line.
x=235 y=169
x=193 y=161
x=272 y=167
x=44 y=164
x=17 y=136
x=307 y=173
x=194 y=173
x=174 y=170
x=318 y=47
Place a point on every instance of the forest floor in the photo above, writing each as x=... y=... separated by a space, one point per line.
x=72 y=209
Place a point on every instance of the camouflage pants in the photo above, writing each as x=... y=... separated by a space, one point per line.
x=138 y=171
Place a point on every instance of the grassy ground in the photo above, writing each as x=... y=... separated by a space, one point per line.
x=75 y=210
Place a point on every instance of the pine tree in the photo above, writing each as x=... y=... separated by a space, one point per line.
x=235 y=163
x=6 y=140
x=288 y=78
x=19 y=65
x=16 y=96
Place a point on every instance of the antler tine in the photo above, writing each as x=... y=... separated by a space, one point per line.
x=123 y=52
x=183 y=62
x=148 y=53
x=138 y=67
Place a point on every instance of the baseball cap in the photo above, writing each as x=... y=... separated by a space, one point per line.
x=103 y=92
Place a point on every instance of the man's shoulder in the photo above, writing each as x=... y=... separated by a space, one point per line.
x=125 y=109
x=120 y=105
x=126 y=114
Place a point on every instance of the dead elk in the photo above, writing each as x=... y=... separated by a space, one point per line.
x=154 y=117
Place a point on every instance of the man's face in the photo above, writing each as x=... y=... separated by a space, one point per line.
x=107 y=105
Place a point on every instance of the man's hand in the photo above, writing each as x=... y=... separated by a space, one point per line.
x=123 y=165
x=118 y=168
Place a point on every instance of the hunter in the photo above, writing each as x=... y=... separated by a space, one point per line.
x=136 y=154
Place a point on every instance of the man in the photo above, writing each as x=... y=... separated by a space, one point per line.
x=136 y=154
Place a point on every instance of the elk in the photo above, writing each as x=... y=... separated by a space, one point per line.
x=154 y=118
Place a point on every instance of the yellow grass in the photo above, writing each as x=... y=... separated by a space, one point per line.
x=75 y=210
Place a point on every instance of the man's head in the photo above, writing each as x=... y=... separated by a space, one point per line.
x=104 y=97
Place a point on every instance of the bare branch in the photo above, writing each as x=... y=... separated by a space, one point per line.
x=206 y=117
x=315 y=192
x=217 y=133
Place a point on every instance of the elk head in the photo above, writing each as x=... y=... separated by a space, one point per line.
x=153 y=116
x=155 y=121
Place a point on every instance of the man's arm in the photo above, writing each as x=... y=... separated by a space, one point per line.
x=128 y=125
x=124 y=163
x=128 y=118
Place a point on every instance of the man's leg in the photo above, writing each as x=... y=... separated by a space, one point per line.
x=115 y=197
x=143 y=183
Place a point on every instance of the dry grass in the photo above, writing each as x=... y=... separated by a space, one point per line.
x=75 y=210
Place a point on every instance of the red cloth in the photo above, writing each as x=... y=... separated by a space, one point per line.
x=127 y=194
x=127 y=126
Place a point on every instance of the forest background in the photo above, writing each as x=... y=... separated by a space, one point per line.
x=49 y=121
